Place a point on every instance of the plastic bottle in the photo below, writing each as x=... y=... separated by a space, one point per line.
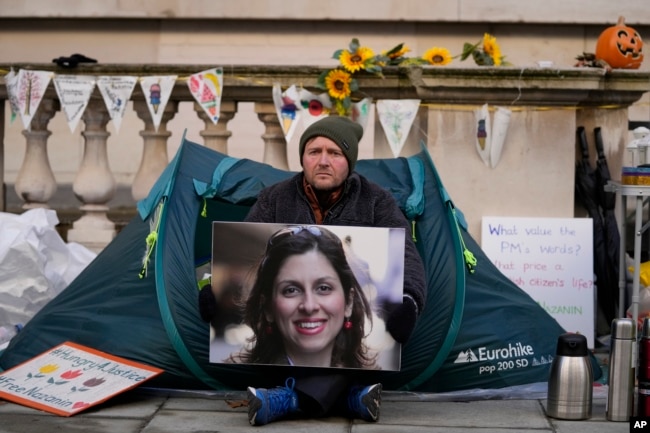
x=8 y=332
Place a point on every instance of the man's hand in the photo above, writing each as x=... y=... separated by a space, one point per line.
x=207 y=303
x=401 y=320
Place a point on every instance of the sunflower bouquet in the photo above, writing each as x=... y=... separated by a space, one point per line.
x=339 y=82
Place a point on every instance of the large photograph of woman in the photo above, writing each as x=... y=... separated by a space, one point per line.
x=304 y=295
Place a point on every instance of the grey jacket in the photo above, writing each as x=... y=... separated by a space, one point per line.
x=363 y=203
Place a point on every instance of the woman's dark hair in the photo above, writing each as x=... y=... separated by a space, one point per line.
x=267 y=348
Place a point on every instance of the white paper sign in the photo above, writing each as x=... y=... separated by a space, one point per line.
x=70 y=378
x=116 y=92
x=74 y=93
x=30 y=91
x=396 y=117
x=551 y=259
x=156 y=91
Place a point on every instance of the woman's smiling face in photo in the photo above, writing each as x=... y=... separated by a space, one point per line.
x=308 y=307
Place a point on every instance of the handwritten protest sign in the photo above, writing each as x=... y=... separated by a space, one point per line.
x=70 y=378
x=551 y=259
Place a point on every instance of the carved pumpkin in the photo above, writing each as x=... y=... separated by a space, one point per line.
x=620 y=46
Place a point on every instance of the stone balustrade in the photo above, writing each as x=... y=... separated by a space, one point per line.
x=535 y=177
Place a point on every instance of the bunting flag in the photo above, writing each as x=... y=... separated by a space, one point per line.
x=74 y=93
x=11 y=81
x=314 y=107
x=483 y=133
x=500 y=125
x=30 y=90
x=156 y=91
x=287 y=105
x=116 y=92
x=396 y=117
x=491 y=133
x=206 y=87
x=361 y=111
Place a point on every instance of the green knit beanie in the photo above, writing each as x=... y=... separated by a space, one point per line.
x=341 y=130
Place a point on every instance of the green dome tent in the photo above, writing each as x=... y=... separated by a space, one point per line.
x=478 y=330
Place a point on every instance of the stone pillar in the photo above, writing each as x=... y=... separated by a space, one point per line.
x=275 y=145
x=215 y=136
x=94 y=185
x=35 y=182
x=154 y=152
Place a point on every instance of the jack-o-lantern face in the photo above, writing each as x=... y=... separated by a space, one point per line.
x=620 y=46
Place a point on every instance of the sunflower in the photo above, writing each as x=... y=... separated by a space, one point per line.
x=491 y=48
x=337 y=83
x=355 y=60
x=437 y=56
x=397 y=52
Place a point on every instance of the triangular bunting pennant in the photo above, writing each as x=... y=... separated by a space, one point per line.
x=206 y=87
x=116 y=92
x=396 y=117
x=360 y=112
x=11 y=81
x=500 y=125
x=287 y=105
x=314 y=107
x=74 y=93
x=156 y=91
x=30 y=91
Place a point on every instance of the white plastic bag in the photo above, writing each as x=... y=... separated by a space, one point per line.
x=35 y=263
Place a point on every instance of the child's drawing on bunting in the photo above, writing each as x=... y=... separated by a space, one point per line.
x=30 y=91
x=360 y=111
x=287 y=105
x=11 y=81
x=483 y=133
x=74 y=93
x=206 y=87
x=491 y=133
x=116 y=92
x=314 y=107
x=396 y=117
x=156 y=91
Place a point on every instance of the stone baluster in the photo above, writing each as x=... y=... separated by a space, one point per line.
x=35 y=182
x=215 y=136
x=154 y=152
x=275 y=145
x=94 y=184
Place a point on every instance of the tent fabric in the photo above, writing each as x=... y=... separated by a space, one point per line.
x=152 y=317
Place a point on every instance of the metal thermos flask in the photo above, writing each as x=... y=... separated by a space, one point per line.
x=622 y=363
x=643 y=371
x=570 y=384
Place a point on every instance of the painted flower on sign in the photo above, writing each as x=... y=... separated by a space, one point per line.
x=71 y=374
x=46 y=369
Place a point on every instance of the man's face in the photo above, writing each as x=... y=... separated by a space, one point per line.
x=324 y=164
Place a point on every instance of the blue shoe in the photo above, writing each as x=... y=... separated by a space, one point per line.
x=266 y=405
x=364 y=402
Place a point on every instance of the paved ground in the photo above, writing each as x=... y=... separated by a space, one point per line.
x=156 y=411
